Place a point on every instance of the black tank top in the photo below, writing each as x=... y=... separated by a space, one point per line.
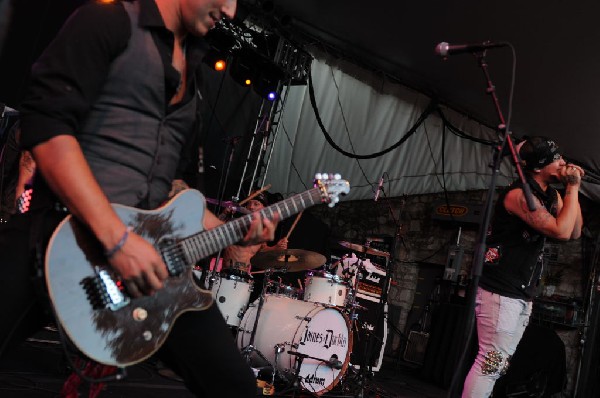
x=513 y=261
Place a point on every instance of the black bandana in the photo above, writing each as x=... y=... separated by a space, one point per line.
x=538 y=153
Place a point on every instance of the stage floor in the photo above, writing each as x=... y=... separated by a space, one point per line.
x=38 y=369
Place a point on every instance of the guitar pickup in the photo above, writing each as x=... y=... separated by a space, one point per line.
x=173 y=256
x=105 y=292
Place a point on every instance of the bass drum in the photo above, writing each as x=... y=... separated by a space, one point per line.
x=309 y=328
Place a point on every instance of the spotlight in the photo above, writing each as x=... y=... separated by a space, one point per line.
x=244 y=67
x=267 y=82
x=220 y=65
x=248 y=67
x=216 y=60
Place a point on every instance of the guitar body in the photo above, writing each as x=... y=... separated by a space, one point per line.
x=130 y=334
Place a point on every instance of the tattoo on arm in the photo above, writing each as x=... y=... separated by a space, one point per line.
x=535 y=218
x=571 y=179
x=27 y=162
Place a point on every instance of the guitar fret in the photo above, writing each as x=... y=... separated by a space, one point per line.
x=186 y=245
x=278 y=207
x=229 y=237
x=295 y=202
x=206 y=245
x=303 y=203
x=220 y=231
x=287 y=209
x=197 y=243
x=211 y=241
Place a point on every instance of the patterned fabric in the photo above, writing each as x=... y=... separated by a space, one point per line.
x=24 y=201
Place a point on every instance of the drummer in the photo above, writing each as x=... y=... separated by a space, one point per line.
x=237 y=257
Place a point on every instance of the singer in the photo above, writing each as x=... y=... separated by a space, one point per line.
x=513 y=260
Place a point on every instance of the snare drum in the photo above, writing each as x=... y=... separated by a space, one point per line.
x=323 y=287
x=231 y=290
x=318 y=331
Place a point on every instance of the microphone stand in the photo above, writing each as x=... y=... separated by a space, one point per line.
x=231 y=143
x=480 y=247
x=366 y=366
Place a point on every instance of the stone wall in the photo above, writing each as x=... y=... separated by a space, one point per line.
x=421 y=239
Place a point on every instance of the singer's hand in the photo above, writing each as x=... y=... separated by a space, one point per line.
x=571 y=174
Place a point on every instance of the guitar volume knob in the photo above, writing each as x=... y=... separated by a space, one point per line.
x=140 y=314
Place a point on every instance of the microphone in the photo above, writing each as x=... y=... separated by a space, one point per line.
x=444 y=49
x=334 y=362
x=379 y=188
x=590 y=179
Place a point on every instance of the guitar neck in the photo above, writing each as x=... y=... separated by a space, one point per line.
x=203 y=244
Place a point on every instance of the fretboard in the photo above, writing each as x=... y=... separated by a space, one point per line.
x=203 y=244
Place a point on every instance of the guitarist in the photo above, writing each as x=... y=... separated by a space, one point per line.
x=111 y=106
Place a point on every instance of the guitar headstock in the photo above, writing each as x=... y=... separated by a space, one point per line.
x=331 y=187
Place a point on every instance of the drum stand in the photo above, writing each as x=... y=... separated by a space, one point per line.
x=295 y=383
x=249 y=349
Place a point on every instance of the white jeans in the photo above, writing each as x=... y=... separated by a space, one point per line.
x=501 y=322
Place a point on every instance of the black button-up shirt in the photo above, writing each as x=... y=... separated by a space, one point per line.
x=69 y=75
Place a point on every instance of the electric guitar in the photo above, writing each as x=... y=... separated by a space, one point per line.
x=90 y=301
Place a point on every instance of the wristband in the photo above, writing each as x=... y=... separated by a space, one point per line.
x=119 y=245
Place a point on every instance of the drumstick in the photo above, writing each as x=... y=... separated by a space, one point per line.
x=255 y=194
x=300 y=284
x=294 y=224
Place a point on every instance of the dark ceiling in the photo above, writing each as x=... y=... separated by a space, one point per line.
x=556 y=45
x=557 y=57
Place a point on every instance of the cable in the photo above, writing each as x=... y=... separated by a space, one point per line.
x=430 y=108
x=291 y=161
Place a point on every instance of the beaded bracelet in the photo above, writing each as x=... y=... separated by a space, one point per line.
x=119 y=245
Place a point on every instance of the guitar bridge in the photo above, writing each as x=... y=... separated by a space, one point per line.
x=104 y=292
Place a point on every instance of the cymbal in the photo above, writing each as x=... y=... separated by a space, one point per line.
x=223 y=203
x=290 y=260
x=229 y=205
x=363 y=249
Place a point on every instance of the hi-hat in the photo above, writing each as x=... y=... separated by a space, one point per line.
x=363 y=249
x=290 y=260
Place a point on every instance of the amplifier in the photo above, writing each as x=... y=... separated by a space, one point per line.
x=415 y=348
x=373 y=280
x=369 y=326
x=564 y=312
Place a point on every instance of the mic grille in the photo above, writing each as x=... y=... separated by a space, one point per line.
x=442 y=49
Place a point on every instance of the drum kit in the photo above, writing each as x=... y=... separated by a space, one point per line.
x=303 y=335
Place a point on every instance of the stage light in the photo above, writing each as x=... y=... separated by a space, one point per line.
x=267 y=82
x=216 y=60
x=244 y=67
x=249 y=68
x=220 y=65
